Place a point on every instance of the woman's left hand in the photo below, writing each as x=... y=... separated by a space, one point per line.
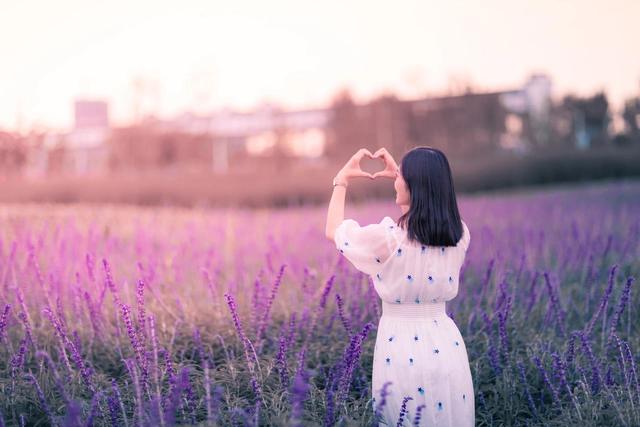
x=390 y=166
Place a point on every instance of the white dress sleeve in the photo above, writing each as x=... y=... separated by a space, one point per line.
x=366 y=247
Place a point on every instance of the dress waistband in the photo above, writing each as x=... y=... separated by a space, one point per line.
x=413 y=311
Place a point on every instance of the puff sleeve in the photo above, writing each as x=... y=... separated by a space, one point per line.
x=366 y=247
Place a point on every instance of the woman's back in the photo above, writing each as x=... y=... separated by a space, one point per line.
x=403 y=272
x=419 y=353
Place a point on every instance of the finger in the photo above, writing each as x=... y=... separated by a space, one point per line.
x=384 y=174
x=364 y=151
x=381 y=152
x=363 y=173
x=360 y=153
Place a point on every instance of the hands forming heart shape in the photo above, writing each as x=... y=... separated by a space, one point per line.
x=352 y=168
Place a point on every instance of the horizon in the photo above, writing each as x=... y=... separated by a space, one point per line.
x=122 y=54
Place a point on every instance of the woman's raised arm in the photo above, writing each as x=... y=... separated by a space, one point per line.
x=335 y=214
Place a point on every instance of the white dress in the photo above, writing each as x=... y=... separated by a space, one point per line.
x=419 y=348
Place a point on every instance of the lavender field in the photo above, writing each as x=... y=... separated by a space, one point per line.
x=130 y=316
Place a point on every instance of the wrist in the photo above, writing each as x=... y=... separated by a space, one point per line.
x=340 y=180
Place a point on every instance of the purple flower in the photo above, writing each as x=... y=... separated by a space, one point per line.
x=90 y=263
x=43 y=400
x=281 y=362
x=298 y=395
x=555 y=304
x=570 y=353
x=85 y=371
x=596 y=377
x=403 y=410
x=17 y=360
x=560 y=372
x=343 y=318
x=545 y=377
x=94 y=408
x=532 y=292
x=265 y=315
x=115 y=404
x=523 y=379
x=141 y=310
x=56 y=376
x=383 y=400
x=603 y=301
x=3 y=321
x=349 y=360
x=624 y=299
x=632 y=366
x=138 y=348
x=251 y=361
x=109 y=283
x=416 y=419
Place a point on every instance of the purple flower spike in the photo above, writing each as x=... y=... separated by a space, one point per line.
x=3 y=321
x=403 y=410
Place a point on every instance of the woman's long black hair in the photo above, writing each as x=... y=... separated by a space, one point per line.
x=433 y=217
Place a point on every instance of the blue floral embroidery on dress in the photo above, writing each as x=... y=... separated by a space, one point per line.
x=457 y=343
x=341 y=251
x=439 y=406
x=431 y=278
x=436 y=351
x=409 y=277
x=420 y=390
x=388 y=360
x=391 y=338
x=450 y=279
x=435 y=321
x=415 y=338
x=378 y=276
x=464 y=397
x=424 y=248
x=417 y=300
x=398 y=300
x=346 y=243
x=391 y=226
x=434 y=299
x=378 y=260
x=399 y=251
x=411 y=361
x=443 y=249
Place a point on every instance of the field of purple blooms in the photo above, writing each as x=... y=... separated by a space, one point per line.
x=128 y=316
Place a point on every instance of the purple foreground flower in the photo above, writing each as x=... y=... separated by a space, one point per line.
x=417 y=418
x=403 y=411
x=596 y=376
x=298 y=396
x=523 y=379
x=43 y=400
x=3 y=321
x=603 y=301
x=624 y=299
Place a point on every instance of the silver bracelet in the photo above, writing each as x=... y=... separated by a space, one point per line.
x=335 y=183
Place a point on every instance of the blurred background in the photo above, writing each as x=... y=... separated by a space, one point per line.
x=211 y=103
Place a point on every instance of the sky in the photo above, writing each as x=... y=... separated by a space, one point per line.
x=168 y=57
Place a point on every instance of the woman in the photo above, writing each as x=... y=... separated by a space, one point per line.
x=415 y=265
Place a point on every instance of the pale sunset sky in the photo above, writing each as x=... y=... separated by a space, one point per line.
x=167 y=57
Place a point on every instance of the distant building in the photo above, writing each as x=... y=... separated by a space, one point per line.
x=464 y=124
x=268 y=128
x=86 y=146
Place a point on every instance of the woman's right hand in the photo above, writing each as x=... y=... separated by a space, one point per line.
x=390 y=168
x=352 y=168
